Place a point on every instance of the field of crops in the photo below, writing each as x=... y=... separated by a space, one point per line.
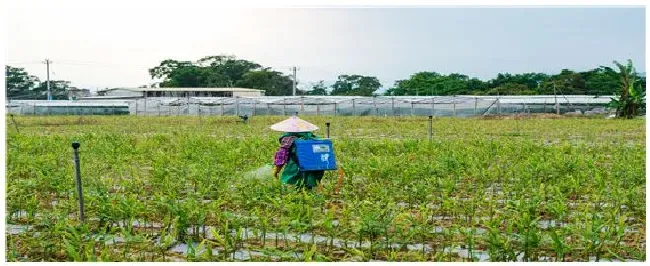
x=199 y=189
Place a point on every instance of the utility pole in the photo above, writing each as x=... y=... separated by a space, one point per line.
x=294 y=80
x=49 y=92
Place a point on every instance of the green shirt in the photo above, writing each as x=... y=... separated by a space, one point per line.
x=291 y=174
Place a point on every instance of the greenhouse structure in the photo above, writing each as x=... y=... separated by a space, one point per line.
x=457 y=106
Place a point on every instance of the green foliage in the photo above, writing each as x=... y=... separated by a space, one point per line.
x=599 y=81
x=357 y=85
x=221 y=71
x=539 y=196
x=631 y=101
x=318 y=89
x=21 y=85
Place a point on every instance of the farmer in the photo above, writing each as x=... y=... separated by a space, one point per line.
x=294 y=128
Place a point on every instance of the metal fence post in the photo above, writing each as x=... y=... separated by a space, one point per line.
x=302 y=104
x=412 y=109
x=318 y=109
x=354 y=108
x=284 y=106
x=498 y=105
x=75 y=146
x=525 y=106
x=433 y=106
x=254 y=106
x=237 y=105
x=136 y=107
x=392 y=105
x=454 y=101
x=430 y=127
x=475 y=104
x=374 y=104
x=222 y=107
x=336 y=109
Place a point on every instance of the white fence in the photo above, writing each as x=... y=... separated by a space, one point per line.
x=460 y=106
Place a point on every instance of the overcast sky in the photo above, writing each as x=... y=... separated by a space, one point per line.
x=114 y=47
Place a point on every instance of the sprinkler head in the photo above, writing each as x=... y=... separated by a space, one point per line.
x=328 y=124
x=76 y=145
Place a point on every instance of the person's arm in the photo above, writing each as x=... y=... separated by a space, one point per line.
x=276 y=171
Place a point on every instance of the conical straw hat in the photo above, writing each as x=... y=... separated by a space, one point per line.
x=294 y=124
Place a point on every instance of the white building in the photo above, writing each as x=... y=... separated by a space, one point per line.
x=179 y=92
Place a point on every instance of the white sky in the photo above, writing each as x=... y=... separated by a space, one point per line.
x=109 y=46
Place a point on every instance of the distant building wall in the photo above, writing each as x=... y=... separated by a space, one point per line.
x=248 y=93
x=120 y=92
x=182 y=92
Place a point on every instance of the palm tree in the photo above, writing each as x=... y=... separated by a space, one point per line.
x=632 y=98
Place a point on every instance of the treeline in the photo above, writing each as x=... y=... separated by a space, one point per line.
x=21 y=85
x=228 y=71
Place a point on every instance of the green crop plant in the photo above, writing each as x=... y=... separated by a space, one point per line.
x=569 y=189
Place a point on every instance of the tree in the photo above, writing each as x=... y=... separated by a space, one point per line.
x=531 y=80
x=601 y=81
x=432 y=83
x=20 y=85
x=511 y=89
x=221 y=71
x=355 y=85
x=632 y=97
x=272 y=82
x=318 y=89
x=59 y=89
